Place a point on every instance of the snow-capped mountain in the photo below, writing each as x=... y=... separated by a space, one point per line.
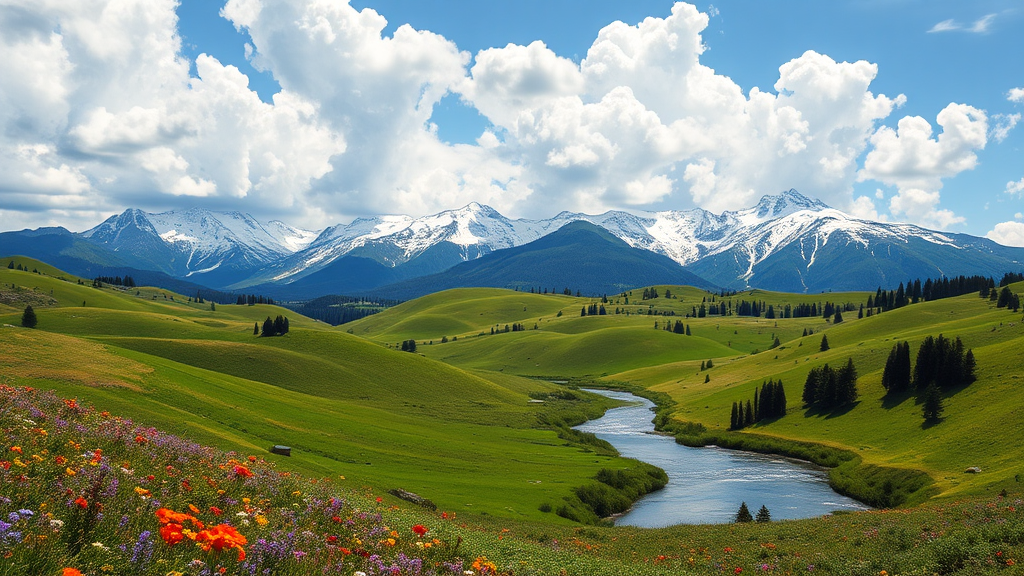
x=211 y=247
x=786 y=242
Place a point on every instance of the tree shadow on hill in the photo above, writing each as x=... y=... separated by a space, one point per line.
x=931 y=422
x=894 y=399
x=829 y=413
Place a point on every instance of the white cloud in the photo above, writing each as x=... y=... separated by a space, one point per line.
x=1015 y=95
x=98 y=110
x=980 y=26
x=945 y=26
x=915 y=162
x=1004 y=123
x=1007 y=233
x=641 y=105
x=863 y=207
x=1015 y=187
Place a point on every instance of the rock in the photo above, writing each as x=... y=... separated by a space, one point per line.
x=973 y=470
x=414 y=498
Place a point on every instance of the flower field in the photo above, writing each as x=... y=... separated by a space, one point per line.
x=85 y=492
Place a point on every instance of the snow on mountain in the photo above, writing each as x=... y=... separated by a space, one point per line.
x=198 y=241
x=751 y=235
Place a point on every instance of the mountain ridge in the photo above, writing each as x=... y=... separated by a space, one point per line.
x=786 y=241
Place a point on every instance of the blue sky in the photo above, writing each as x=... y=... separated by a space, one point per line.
x=934 y=53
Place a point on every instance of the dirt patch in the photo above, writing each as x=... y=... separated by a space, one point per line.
x=19 y=297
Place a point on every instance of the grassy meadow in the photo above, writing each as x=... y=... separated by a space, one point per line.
x=454 y=422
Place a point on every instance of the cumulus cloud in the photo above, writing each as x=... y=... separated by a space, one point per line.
x=1007 y=233
x=641 y=107
x=1015 y=187
x=99 y=112
x=1015 y=95
x=1003 y=124
x=916 y=163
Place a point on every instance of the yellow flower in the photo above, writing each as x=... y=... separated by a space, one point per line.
x=70 y=472
x=262 y=520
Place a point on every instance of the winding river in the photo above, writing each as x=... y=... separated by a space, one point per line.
x=707 y=485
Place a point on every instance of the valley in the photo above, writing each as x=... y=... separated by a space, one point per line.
x=460 y=422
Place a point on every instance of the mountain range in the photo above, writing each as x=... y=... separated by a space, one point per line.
x=786 y=242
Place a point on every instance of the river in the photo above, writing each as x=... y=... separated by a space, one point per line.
x=707 y=485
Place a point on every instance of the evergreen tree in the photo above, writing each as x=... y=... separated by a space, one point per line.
x=743 y=515
x=846 y=384
x=702 y=366
x=285 y=324
x=757 y=410
x=213 y=307
x=824 y=342
x=734 y=421
x=748 y=414
x=707 y=378
x=256 y=329
x=28 y=317
x=688 y=330
x=932 y=403
x=268 y=327
x=710 y=364
x=838 y=317
x=10 y=265
x=897 y=372
x=763 y=515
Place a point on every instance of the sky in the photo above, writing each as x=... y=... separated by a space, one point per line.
x=315 y=112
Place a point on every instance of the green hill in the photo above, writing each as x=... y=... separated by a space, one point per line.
x=347 y=406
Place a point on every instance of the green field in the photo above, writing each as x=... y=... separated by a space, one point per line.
x=453 y=421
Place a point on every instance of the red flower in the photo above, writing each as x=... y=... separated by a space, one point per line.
x=345 y=551
x=420 y=530
x=171 y=533
x=216 y=511
x=82 y=503
x=242 y=472
x=140 y=439
x=332 y=539
x=379 y=499
x=71 y=572
x=252 y=458
x=222 y=537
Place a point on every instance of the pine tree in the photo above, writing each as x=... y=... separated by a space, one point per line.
x=838 y=317
x=268 y=327
x=824 y=342
x=10 y=265
x=734 y=421
x=748 y=415
x=846 y=384
x=28 y=318
x=932 y=403
x=702 y=366
x=763 y=515
x=707 y=378
x=743 y=515
x=256 y=329
x=710 y=364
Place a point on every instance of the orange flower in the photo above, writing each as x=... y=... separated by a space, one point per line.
x=71 y=572
x=16 y=449
x=216 y=511
x=171 y=533
x=222 y=537
x=242 y=472
x=82 y=503
x=168 y=516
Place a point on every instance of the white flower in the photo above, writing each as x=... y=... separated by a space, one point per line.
x=242 y=514
x=56 y=524
x=358 y=573
x=100 y=546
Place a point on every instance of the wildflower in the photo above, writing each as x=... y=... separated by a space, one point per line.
x=56 y=524
x=16 y=449
x=420 y=530
x=140 y=439
x=242 y=472
x=100 y=546
x=172 y=533
x=70 y=472
x=142 y=492
x=216 y=511
x=222 y=537
x=71 y=572
x=82 y=503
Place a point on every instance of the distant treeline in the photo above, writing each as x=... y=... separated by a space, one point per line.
x=127 y=281
x=936 y=289
x=252 y=300
x=336 y=310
